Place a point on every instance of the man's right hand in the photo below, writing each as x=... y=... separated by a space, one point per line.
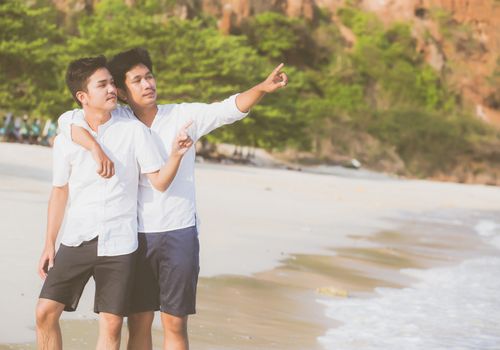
x=46 y=261
x=105 y=167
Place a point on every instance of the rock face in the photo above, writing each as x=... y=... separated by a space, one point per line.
x=474 y=55
x=465 y=10
x=482 y=18
x=71 y=6
x=232 y=12
x=300 y=8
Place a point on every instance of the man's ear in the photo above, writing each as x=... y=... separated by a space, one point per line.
x=82 y=97
x=121 y=94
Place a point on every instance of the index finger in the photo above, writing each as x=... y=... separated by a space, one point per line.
x=277 y=69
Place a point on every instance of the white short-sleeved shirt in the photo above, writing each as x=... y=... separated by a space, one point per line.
x=105 y=207
x=176 y=207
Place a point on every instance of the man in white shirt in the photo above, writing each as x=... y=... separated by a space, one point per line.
x=100 y=235
x=168 y=254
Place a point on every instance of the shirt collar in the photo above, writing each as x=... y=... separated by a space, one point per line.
x=103 y=127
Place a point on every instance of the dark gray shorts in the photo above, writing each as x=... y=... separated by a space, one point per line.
x=72 y=269
x=167 y=272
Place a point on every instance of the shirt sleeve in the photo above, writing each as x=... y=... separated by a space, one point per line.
x=147 y=154
x=74 y=117
x=61 y=167
x=208 y=117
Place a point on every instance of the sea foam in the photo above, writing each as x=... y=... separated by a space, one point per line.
x=449 y=308
x=456 y=307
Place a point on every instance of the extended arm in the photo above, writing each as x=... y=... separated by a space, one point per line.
x=276 y=80
x=210 y=116
x=55 y=215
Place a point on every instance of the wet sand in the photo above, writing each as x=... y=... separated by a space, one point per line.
x=277 y=309
x=273 y=242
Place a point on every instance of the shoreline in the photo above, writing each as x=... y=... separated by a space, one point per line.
x=231 y=308
x=230 y=154
x=224 y=154
x=295 y=223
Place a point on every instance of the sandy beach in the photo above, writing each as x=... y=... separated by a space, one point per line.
x=290 y=259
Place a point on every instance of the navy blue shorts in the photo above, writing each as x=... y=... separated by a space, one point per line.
x=167 y=272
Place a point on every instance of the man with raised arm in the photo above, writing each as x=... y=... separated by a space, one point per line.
x=99 y=238
x=168 y=254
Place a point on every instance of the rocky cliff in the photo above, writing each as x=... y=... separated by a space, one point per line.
x=473 y=52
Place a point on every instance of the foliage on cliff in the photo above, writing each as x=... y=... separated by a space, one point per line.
x=375 y=99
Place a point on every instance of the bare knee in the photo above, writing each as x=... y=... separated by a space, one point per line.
x=111 y=324
x=174 y=324
x=47 y=312
x=110 y=327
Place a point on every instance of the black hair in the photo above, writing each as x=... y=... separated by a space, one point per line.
x=79 y=71
x=121 y=63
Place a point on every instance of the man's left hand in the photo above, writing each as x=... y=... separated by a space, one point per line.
x=276 y=80
x=183 y=141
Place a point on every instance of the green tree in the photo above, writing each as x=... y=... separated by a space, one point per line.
x=30 y=46
x=281 y=38
x=392 y=68
x=111 y=28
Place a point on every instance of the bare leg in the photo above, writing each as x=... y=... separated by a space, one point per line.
x=110 y=327
x=139 y=328
x=48 y=331
x=175 y=332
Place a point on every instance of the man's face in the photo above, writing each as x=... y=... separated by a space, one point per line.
x=101 y=91
x=140 y=87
